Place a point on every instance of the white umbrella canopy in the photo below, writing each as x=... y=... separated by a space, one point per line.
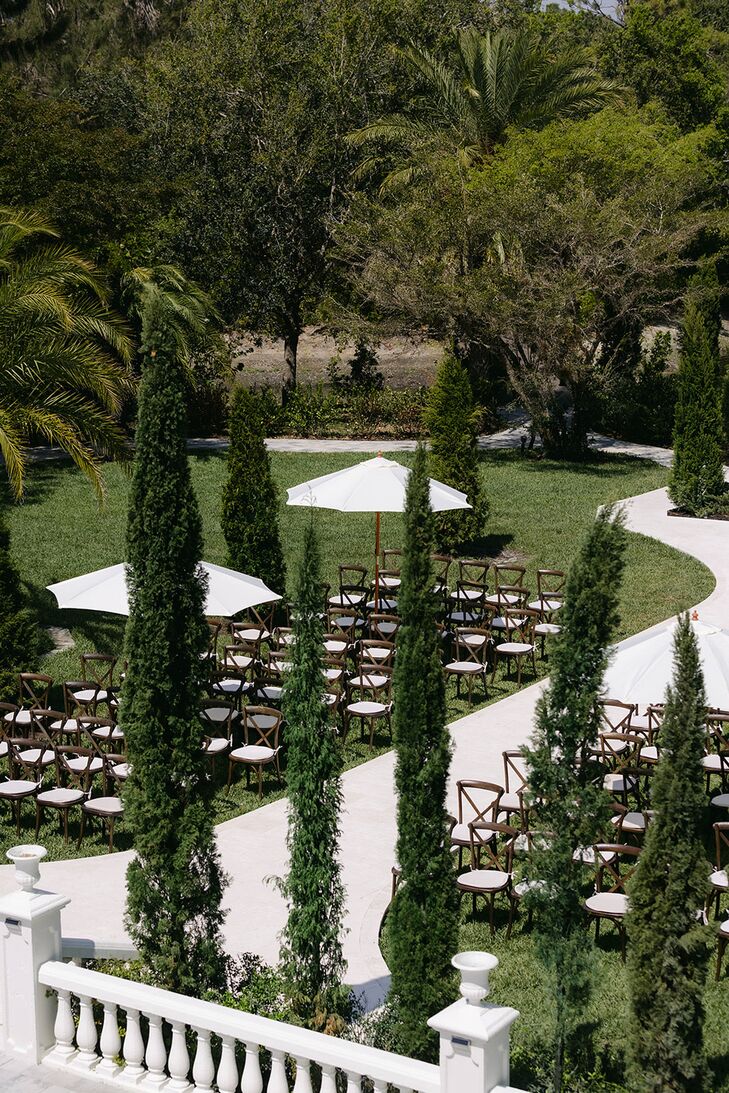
x=643 y=666
x=106 y=590
x=376 y=485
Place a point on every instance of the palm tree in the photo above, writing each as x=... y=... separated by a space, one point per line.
x=190 y=312
x=502 y=80
x=64 y=354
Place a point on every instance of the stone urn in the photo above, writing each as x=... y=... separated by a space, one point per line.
x=27 y=858
x=475 y=968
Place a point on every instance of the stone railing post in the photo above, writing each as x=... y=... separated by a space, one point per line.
x=30 y=934
x=474 y=1035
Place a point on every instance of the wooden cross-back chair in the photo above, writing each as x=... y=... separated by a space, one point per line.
x=492 y=855
x=471 y=652
x=617 y=864
x=477 y=800
x=519 y=645
x=261 y=747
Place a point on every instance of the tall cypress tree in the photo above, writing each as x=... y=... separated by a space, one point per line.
x=573 y=806
x=250 y=501
x=424 y=914
x=175 y=882
x=697 y=476
x=312 y=945
x=452 y=421
x=18 y=629
x=668 y=946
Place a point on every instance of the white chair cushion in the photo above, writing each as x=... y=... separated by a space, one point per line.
x=465 y=667
x=271 y=693
x=721 y=801
x=515 y=648
x=547 y=629
x=720 y=878
x=88 y=695
x=545 y=605
x=83 y=764
x=510 y=802
x=121 y=770
x=215 y=746
x=229 y=686
x=239 y=661
x=586 y=855
x=633 y=822
x=108 y=732
x=62 y=797
x=4 y=749
x=333 y=646
x=68 y=724
x=608 y=903
x=484 y=880
x=22 y=717
x=724 y=928
x=649 y=753
x=712 y=763
x=104 y=806
x=16 y=787
x=253 y=753
x=462 y=836
x=366 y=709
x=618 y=783
x=218 y=714
x=31 y=756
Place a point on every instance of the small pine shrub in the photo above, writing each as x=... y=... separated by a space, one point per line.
x=250 y=499
x=19 y=644
x=452 y=421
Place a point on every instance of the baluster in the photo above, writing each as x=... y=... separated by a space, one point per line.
x=178 y=1063
x=252 y=1078
x=86 y=1034
x=110 y=1042
x=203 y=1069
x=277 y=1082
x=228 y=1068
x=405 y=1089
x=133 y=1047
x=328 y=1078
x=64 y=1028
x=156 y=1054
x=303 y=1076
x=380 y=1086
x=354 y=1082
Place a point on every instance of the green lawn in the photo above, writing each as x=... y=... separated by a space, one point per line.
x=539 y=513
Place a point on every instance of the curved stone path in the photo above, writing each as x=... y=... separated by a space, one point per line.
x=253 y=847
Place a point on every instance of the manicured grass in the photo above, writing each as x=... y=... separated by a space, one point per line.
x=539 y=513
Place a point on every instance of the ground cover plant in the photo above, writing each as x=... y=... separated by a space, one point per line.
x=540 y=509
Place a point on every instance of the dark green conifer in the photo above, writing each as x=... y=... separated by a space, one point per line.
x=424 y=914
x=312 y=942
x=18 y=630
x=250 y=500
x=452 y=421
x=175 y=882
x=668 y=951
x=697 y=477
x=573 y=805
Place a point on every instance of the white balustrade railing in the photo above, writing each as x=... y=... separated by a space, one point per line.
x=178 y=1051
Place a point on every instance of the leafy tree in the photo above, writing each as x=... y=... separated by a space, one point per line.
x=576 y=234
x=175 y=883
x=500 y=80
x=697 y=476
x=424 y=913
x=667 y=56
x=250 y=499
x=312 y=940
x=668 y=954
x=63 y=350
x=19 y=645
x=573 y=806
x=452 y=421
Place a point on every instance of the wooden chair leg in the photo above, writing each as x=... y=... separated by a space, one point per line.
x=38 y=810
x=111 y=834
x=230 y=776
x=65 y=827
x=81 y=830
x=491 y=914
x=17 y=816
x=260 y=783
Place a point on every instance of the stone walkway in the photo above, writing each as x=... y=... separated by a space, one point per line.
x=253 y=846
x=23 y=1077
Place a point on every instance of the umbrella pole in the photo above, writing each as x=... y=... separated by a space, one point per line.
x=377 y=561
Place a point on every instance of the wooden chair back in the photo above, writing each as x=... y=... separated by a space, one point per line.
x=99 y=668
x=478 y=801
x=34 y=690
x=261 y=726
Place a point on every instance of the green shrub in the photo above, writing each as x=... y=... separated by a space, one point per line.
x=19 y=645
x=697 y=477
x=452 y=421
x=250 y=500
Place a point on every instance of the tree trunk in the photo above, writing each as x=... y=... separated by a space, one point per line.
x=291 y=348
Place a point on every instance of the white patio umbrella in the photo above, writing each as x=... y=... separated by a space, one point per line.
x=106 y=590
x=377 y=485
x=643 y=666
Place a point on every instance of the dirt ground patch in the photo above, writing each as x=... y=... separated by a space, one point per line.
x=404 y=363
